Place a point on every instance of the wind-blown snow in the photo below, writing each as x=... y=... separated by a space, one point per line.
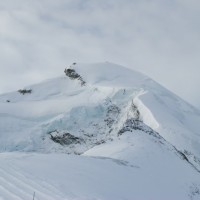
x=134 y=139
x=147 y=116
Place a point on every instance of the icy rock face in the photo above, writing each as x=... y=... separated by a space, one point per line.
x=133 y=124
x=112 y=114
x=121 y=119
x=114 y=101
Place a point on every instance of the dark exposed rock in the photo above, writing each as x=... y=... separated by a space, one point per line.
x=183 y=156
x=135 y=111
x=109 y=121
x=113 y=109
x=72 y=74
x=25 y=91
x=100 y=142
x=64 y=139
x=112 y=113
x=134 y=124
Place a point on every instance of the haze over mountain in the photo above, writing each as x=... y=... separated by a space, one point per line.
x=128 y=138
x=159 y=38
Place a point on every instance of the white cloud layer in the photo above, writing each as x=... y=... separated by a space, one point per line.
x=39 y=38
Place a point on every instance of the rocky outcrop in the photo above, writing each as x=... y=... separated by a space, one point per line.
x=25 y=91
x=72 y=74
x=64 y=138
x=135 y=124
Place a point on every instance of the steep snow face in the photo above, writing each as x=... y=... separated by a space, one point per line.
x=109 y=75
x=121 y=118
x=175 y=120
x=109 y=96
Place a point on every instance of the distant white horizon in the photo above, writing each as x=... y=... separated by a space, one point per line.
x=158 y=38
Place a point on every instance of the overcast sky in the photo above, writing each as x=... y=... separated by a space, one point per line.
x=161 y=38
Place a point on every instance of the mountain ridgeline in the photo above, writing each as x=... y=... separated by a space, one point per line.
x=107 y=111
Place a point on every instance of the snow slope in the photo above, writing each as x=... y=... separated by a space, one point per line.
x=134 y=139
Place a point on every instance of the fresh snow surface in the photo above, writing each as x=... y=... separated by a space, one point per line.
x=127 y=136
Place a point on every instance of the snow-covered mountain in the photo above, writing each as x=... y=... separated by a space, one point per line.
x=129 y=138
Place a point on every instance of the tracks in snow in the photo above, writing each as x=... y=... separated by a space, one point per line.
x=16 y=186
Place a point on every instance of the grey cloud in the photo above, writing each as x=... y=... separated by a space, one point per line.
x=160 y=38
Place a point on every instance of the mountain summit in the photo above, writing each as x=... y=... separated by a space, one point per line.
x=135 y=139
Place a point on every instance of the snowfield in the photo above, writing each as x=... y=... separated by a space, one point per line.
x=100 y=131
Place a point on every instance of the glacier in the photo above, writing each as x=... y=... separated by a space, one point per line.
x=99 y=131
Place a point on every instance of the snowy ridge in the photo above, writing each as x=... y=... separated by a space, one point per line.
x=147 y=116
x=110 y=116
